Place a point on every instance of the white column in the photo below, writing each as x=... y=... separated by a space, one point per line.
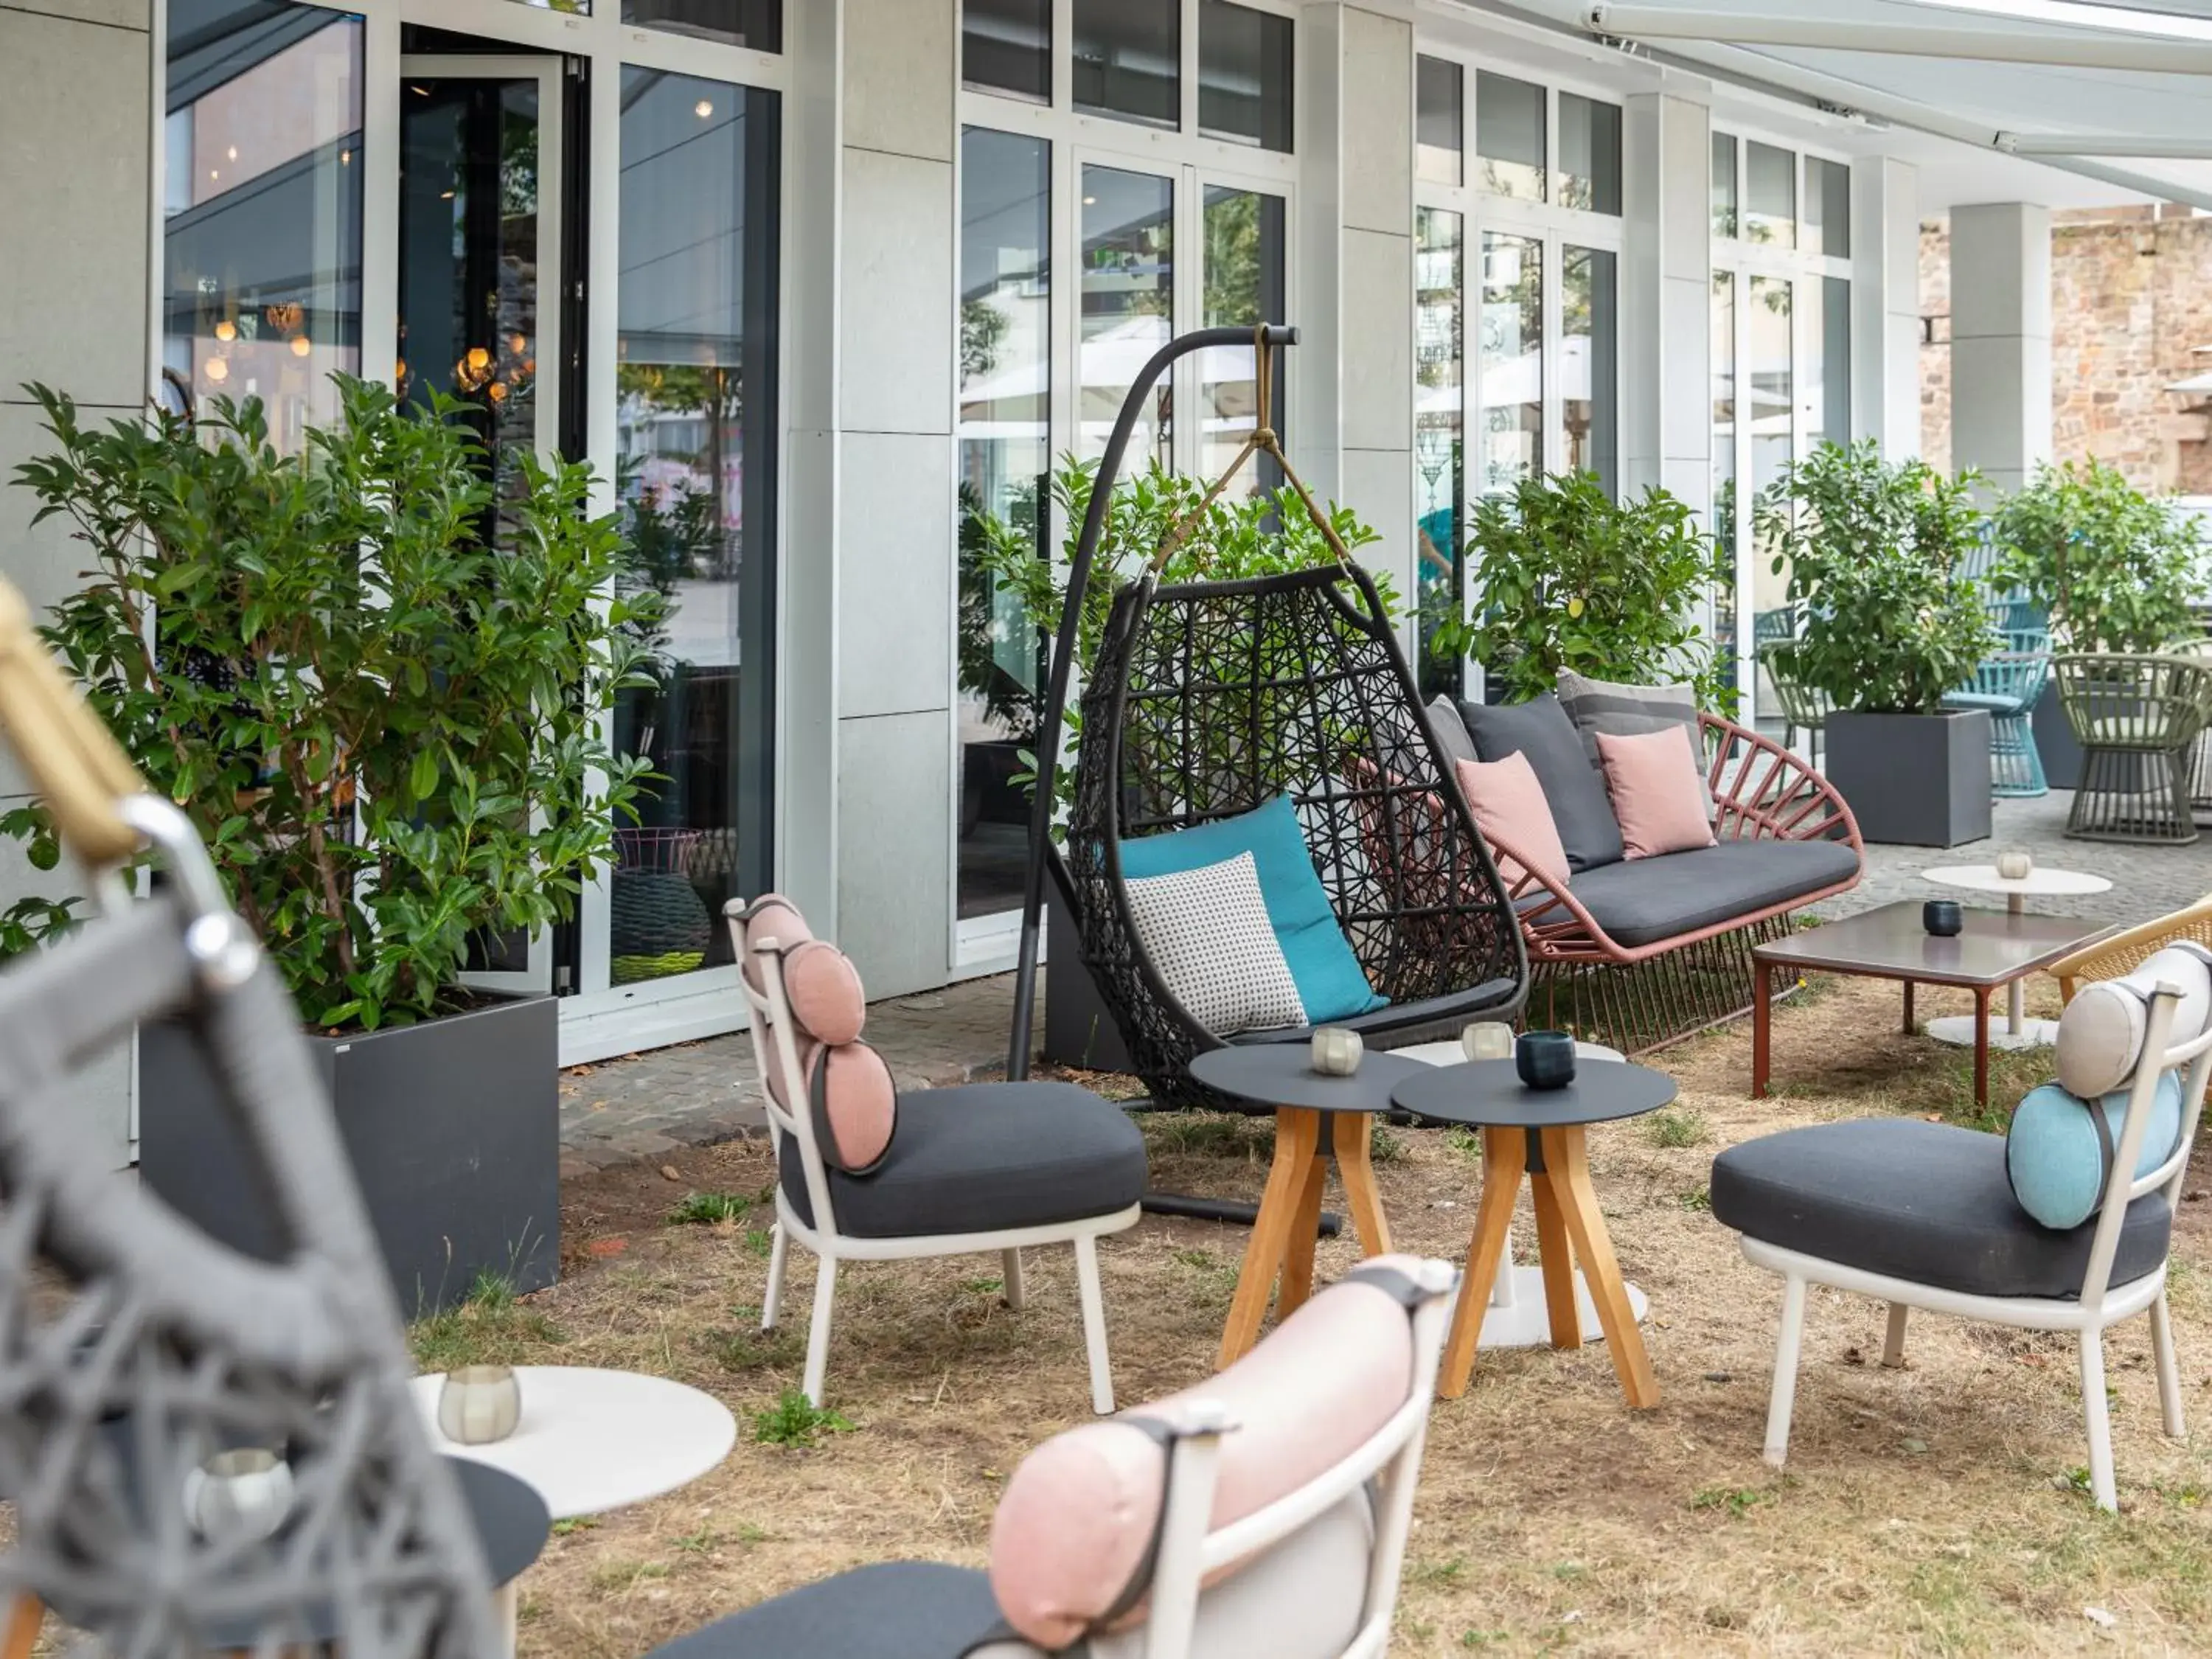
x=1665 y=309
x=1886 y=305
x=893 y=490
x=1352 y=379
x=2000 y=339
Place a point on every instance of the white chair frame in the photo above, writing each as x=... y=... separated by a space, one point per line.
x=2098 y=1306
x=772 y=1025
x=1188 y=1554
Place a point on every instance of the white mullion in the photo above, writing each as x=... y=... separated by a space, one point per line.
x=1063 y=56
x=379 y=195
x=1187 y=73
x=709 y=60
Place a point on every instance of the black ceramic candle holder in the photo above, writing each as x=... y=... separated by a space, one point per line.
x=1545 y=1059
x=1942 y=918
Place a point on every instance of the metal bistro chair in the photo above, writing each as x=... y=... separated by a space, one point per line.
x=1803 y=709
x=2007 y=684
x=2138 y=719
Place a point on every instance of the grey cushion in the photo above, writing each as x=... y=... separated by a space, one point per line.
x=1633 y=711
x=1641 y=901
x=890 y=1610
x=984 y=1157
x=1443 y=718
x=1572 y=788
x=1918 y=1201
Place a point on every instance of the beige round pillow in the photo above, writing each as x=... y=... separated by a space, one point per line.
x=2101 y=1032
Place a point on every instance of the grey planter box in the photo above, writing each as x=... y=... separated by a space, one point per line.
x=1079 y=1031
x=2054 y=741
x=1913 y=779
x=453 y=1128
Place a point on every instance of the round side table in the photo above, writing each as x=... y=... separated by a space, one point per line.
x=1317 y=1117
x=1516 y=1317
x=1540 y=1133
x=2018 y=1032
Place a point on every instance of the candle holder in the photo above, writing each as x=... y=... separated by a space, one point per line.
x=2016 y=864
x=239 y=1496
x=1942 y=918
x=479 y=1404
x=1336 y=1050
x=1545 y=1059
x=1486 y=1039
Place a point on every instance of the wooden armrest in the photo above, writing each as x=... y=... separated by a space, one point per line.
x=2116 y=953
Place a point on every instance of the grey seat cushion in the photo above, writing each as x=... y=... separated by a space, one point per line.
x=1487 y=998
x=1641 y=901
x=1924 y=1201
x=1572 y=788
x=984 y=1157
x=890 y=1610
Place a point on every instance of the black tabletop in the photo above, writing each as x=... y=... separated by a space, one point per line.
x=1490 y=1093
x=1282 y=1074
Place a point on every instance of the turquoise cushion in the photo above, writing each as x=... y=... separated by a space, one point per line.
x=2055 y=1158
x=1331 y=983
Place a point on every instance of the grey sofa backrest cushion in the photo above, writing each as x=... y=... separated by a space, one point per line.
x=1631 y=711
x=1443 y=718
x=1573 y=787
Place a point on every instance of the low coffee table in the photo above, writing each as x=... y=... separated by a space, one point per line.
x=2040 y=882
x=1541 y=1134
x=1317 y=1117
x=1992 y=949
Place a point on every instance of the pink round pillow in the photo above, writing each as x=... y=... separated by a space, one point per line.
x=852 y=1102
x=824 y=989
x=771 y=916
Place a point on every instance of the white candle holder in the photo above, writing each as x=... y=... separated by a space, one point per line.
x=2016 y=864
x=1487 y=1039
x=239 y=1496
x=479 y=1404
x=1336 y=1050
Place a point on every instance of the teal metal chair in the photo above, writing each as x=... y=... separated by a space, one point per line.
x=2008 y=684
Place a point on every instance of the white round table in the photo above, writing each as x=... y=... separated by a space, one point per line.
x=1516 y=1317
x=2018 y=1032
x=592 y=1440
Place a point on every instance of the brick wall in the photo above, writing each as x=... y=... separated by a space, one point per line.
x=2131 y=300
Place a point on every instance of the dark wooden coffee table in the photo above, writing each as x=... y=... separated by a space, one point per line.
x=1992 y=950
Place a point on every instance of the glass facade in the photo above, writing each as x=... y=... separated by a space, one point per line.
x=1128 y=305
x=1589 y=362
x=755 y=23
x=261 y=255
x=1128 y=59
x=1439 y=432
x=1724 y=486
x=1246 y=74
x=1589 y=153
x=696 y=399
x=1770 y=389
x=1244 y=273
x=1770 y=196
x=1005 y=45
x=1827 y=226
x=1723 y=186
x=1512 y=361
x=1509 y=136
x=1439 y=117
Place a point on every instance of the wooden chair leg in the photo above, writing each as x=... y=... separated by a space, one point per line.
x=1297 y=1143
x=1505 y=1159
x=1567 y=1167
x=1353 y=1134
x=25 y=1615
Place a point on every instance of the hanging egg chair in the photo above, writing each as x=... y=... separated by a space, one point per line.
x=1209 y=700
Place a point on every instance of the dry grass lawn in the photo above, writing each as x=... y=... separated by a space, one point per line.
x=1935 y=1509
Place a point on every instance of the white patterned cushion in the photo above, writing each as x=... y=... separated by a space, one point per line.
x=1207 y=934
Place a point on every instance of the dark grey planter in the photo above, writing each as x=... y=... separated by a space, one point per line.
x=1079 y=1031
x=453 y=1128
x=2054 y=740
x=1913 y=779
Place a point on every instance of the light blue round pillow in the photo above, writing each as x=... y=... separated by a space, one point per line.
x=2057 y=1160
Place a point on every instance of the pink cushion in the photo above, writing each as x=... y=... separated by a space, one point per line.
x=1076 y=1523
x=770 y=916
x=824 y=989
x=1508 y=804
x=1657 y=796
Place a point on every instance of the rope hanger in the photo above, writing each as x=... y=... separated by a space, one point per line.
x=1262 y=441
x=75 y=763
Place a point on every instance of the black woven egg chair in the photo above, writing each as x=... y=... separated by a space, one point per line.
x=1209 y=698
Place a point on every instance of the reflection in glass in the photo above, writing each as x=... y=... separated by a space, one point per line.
x=1509 y=135
x=1439 y=423
x=469 y=278
x=1724 y=219
x=1244 y=285
x=1827 y=208
x=1589 y=153
x=1590 y=364
x=1512 y=361
x=695 y=465
x=1438 y=132
x=1244 y=74
x=1005 y=45
x=1772 y=397
x=1128 y=305
x=1825 y=388
x=1770 y=195
x=1005 y=386
x=1128 y=59
x=755 y=23
x=1723 y=518
x=262 y=208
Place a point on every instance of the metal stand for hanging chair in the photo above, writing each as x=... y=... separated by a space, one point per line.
x=1209 y=698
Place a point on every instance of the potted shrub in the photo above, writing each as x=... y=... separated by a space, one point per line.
x=1568 y=578
x=1259 y=535
x=1872 y=550
x=2115 y=570
x=384 y=719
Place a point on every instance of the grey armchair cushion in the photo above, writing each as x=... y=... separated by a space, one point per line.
x=1572 y=788
x=984 y=1157
x=889 y=1610
x=1922 y=1201
x=1641 y=901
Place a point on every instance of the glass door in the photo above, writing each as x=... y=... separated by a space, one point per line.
x=479 y=261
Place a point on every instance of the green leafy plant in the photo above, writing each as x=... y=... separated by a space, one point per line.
x=1234 y=537
x=382 y=716
x=2115 y=569
x=1568 y=578
x=1872 y=550
x=709 y=1209
x=794 y=1420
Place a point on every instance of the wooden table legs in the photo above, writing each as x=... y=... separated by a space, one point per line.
x=1568 y=1228
x=1289 y=1221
